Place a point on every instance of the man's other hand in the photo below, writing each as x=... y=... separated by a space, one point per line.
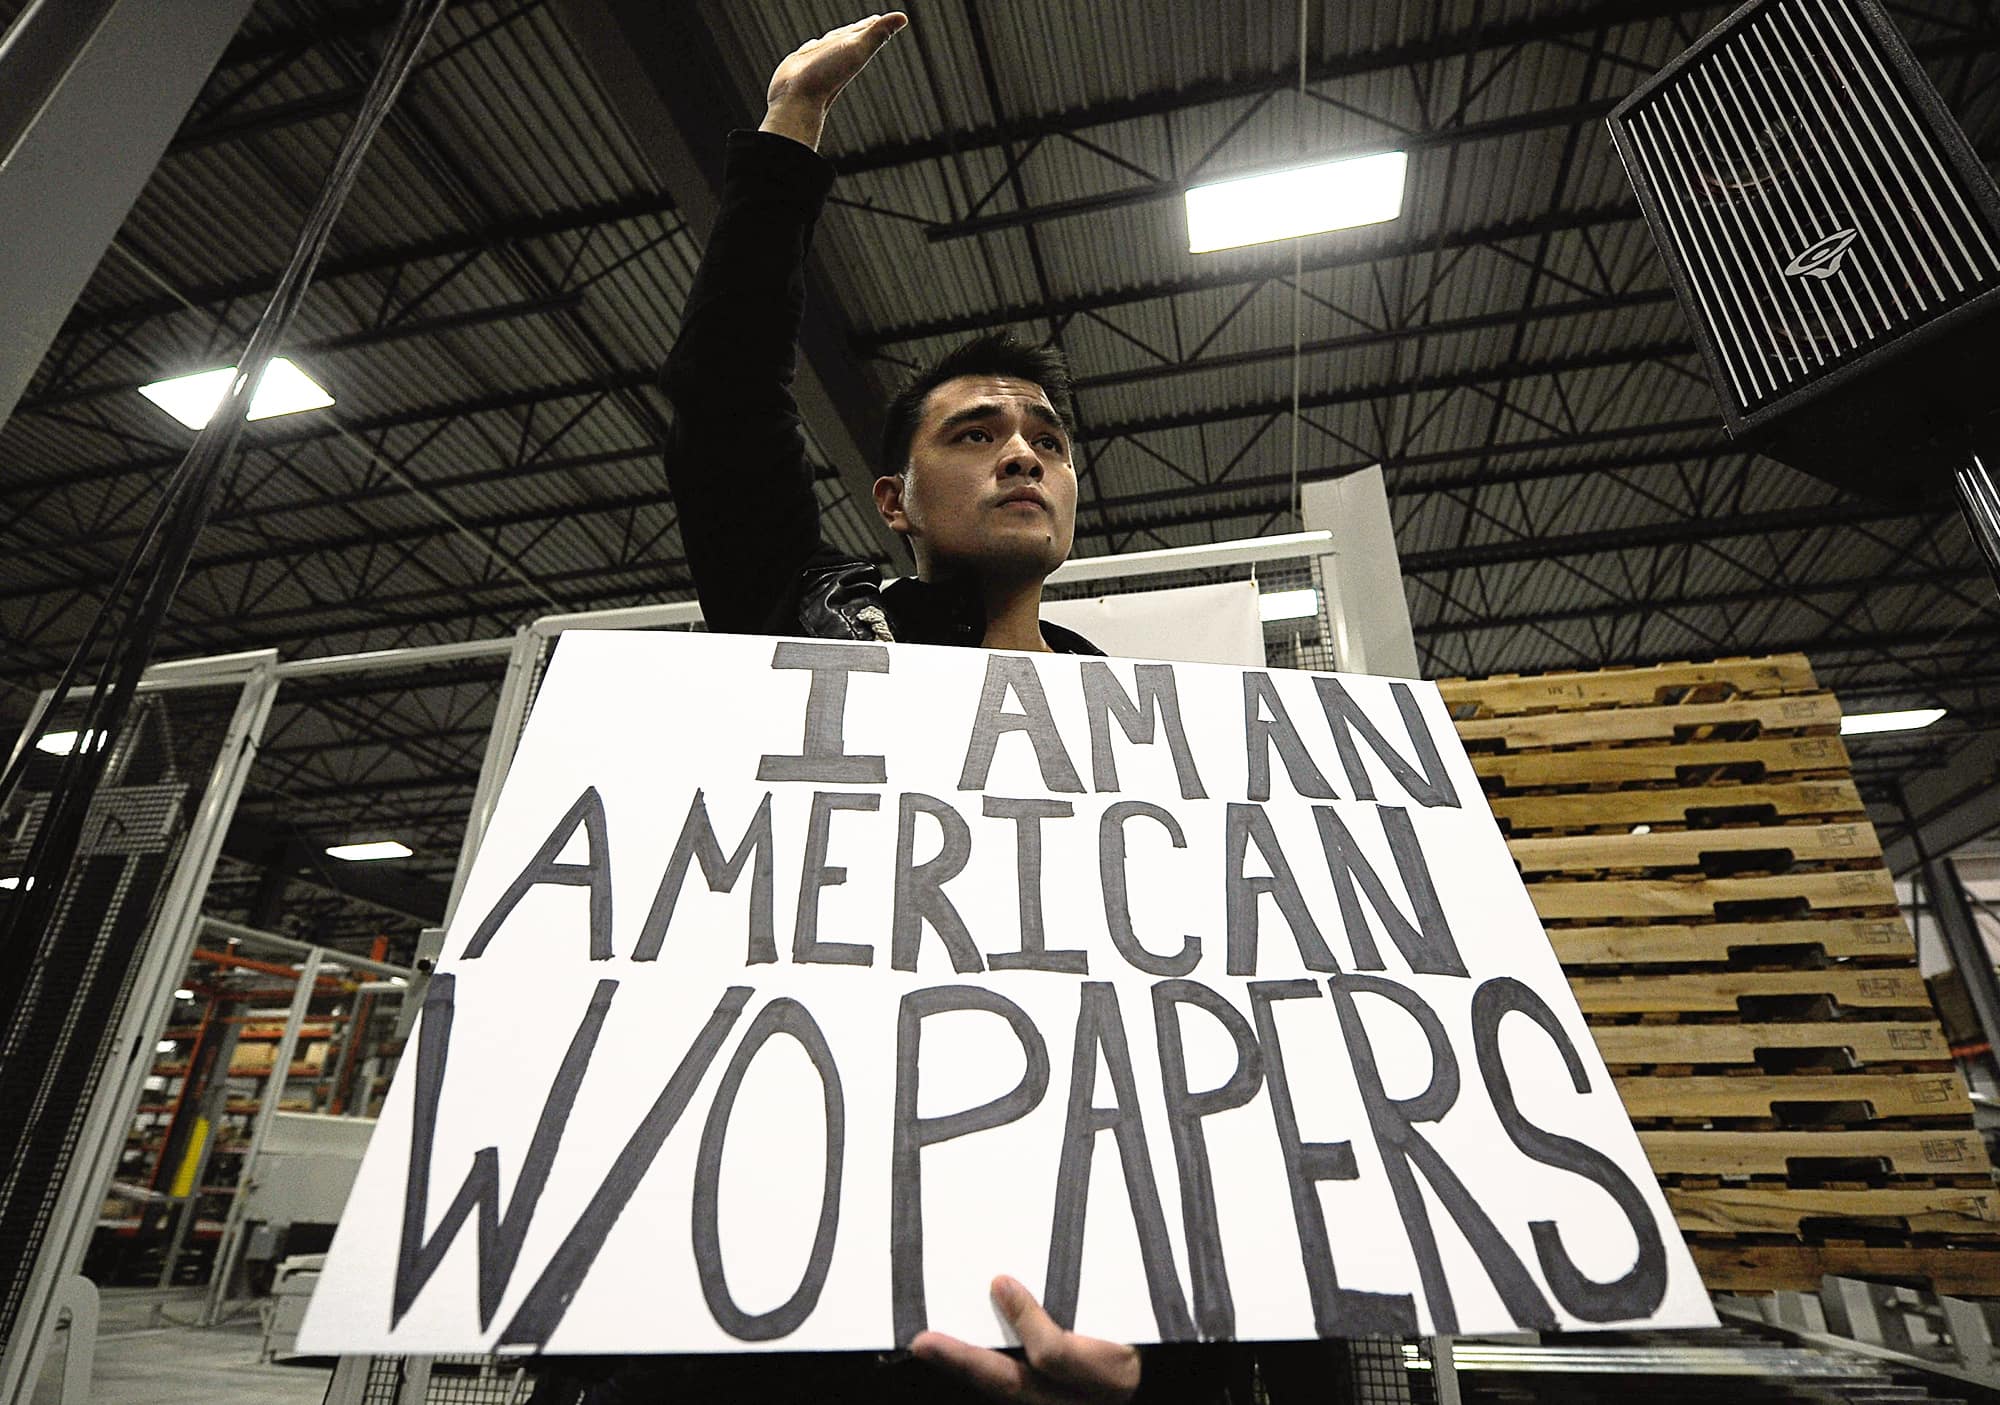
x=1060 y=1367
x=809 y=78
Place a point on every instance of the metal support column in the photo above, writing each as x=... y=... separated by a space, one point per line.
x=1960 y=930
x=1361 y=579
x=274 y=1090
x=91 y=92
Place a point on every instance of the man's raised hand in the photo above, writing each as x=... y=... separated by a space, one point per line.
x=1056 y=1366
x=809 y=78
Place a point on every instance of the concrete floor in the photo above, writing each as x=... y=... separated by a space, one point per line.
x=147 y=1356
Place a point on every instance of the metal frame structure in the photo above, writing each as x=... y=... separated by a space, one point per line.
x=1563 y=496
x=150 y=987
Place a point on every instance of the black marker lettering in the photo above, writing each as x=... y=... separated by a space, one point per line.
x=990 y=723
x=588 y=811
x=1427 y=782
x=699 y=844
x=1034 y=954
x=1117 y=897
x=914 y=1133
x=1246 y=823
x=1427 y=943
x=1337 y=1311
x=817 y=873
x=1405 y=1152
x=920 y=896
x=1104 y=701
x=1100 y=1032
x=1260 y=696
x=1639 y=1292
x=824 y=757
x=781 y=1016
x=542 y=1310
x=1214 y=1308
x=503 y=1223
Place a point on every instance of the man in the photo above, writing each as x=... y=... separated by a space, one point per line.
x=977 y=471
x=977 y=476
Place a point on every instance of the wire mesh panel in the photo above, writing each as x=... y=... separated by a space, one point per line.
x=56 y=1032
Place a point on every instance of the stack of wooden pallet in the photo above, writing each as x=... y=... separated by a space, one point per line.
x=1692 y=838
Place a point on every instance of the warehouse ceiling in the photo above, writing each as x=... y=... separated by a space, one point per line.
x=509 y=273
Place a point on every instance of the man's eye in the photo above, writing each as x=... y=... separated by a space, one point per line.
x=1051 y=443
x=983 y=436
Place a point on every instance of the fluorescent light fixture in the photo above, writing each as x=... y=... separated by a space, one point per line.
x=12 y=883
x=165 y=1046
x=183 y=994
x=1857 y=724
x=1289 y=204
x=373 y=849
x=285 y=390
x=1288 y=604
x=63 y=743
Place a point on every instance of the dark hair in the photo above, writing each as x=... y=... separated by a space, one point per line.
x=989 y=354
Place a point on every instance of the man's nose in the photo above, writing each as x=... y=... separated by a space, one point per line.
x=1020 y=459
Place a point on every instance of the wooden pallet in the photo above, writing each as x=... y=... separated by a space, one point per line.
x=1778 y=846
x=1806 y=713
x=1655 y=943
x=1880 y=1095
x=1895 y=1042
x=1699 y=897
x=1626 y=687
x=1625 y=765
x=1619 y=810
x=1786 y=1210
x=1860 y=988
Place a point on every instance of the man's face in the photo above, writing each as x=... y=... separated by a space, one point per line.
x=990 y=490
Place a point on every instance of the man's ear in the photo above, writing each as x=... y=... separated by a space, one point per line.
x=889 y=502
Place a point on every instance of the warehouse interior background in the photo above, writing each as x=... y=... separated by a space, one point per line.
x=510 y=271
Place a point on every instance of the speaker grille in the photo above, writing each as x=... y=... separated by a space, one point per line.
x=1809 y=205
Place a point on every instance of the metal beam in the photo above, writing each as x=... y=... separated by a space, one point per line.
x=360 y=339
x=90 y=94
x=1571 y=115
x=381 y=258
x=1464 y=41
x=662 y=75
x=1237 y=275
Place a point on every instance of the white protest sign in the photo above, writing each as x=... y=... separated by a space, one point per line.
x=801 y=987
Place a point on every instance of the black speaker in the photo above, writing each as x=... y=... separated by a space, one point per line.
x=1833 y=238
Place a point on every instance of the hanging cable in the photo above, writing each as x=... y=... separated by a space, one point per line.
x=1298 y=272
x=136 y=605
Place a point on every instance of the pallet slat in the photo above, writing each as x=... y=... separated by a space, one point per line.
x=1964 y=1270
x=1627 y=724
x=1940 y=1151
x=1758 y=1095
x=1689 y=943
x=1800 y=843
x=1719 y=991
x=1692 y=897
x=1620 y=809
x=1868 y=1041
x=1626 y=764
x=1755 y=1210
x=1780 y=673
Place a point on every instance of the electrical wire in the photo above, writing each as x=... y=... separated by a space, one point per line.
x=140 y=595
x=1298 y=273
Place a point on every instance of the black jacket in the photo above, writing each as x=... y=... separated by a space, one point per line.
x=749 y=518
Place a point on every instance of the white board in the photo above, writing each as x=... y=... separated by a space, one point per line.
x=800 y=987
x=1189 y=624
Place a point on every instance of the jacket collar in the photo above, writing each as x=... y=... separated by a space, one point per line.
x=927 y=612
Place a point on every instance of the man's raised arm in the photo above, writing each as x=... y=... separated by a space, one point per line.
x=737 y=465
